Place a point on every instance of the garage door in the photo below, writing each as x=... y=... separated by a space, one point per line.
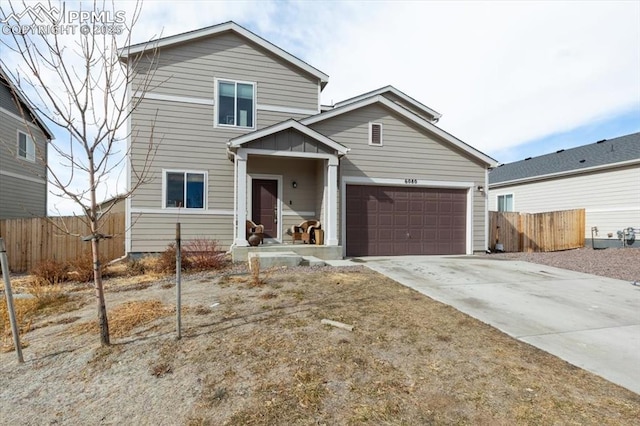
x=393 y=221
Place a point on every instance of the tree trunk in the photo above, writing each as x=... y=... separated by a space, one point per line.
x=97 y=280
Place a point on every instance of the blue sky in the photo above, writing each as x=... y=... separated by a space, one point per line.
x=513 y=79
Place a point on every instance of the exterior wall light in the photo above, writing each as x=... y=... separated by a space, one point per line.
x=294 y=184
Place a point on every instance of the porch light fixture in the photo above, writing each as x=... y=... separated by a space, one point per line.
x=294 y=184
x=481 y=188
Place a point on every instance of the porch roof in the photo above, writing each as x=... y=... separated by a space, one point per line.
x=239 y=141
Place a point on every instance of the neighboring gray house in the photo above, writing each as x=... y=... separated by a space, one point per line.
x=243 y=136
x=601 y=177
x=23 y=155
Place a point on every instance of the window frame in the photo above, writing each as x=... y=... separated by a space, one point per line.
x=513 y=206
x=205 y=198
x=216 y=101
x=371 y=124
x=31 y=158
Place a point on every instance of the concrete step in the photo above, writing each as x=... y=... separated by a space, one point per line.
x=268 y=260
x=312 y=261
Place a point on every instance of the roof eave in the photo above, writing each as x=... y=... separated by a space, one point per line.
x=489 y=161
x=135 y=49
x=564 y=173
x=32 y=109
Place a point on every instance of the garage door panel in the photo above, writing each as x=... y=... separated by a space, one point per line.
x=385 y=221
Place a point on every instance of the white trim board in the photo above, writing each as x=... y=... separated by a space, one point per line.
x=182 y=212
x=27 y=178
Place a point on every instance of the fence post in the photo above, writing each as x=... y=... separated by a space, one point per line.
x=9 y=297
x=178 y=281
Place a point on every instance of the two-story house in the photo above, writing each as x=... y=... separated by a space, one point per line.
x=23 y=154
x=241 y=134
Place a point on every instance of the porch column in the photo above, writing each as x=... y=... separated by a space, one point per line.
x=331 y=237
x=241 y=188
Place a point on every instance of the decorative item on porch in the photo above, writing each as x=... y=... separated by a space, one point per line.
x=255 y=233
x=305 y=232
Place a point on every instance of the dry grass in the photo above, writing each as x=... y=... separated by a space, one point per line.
x=128 y=316
x=43 y=299
x=259 y=355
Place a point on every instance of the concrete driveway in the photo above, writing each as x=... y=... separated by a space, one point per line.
x=589 y=321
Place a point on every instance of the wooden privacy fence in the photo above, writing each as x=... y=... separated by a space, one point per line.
x=550 y=231
x=30 y=240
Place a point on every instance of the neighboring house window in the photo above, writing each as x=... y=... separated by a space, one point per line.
x=375 y=134
x=185 y=189
x=505 y=203
x=235 y=103
x=26 y=147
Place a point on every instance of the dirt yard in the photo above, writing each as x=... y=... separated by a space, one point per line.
x=260 y=355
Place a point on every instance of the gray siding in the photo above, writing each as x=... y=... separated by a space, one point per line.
x=7 y=101
x=20 y=196
x=407 y=152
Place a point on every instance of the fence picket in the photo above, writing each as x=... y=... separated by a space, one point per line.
x=549 y=231
x=29 y=241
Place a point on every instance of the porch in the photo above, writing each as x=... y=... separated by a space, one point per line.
x=241 y=253
x=285 y=174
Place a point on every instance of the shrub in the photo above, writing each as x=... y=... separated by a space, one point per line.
x=166 y=262
x=82 y=267
x=50 y=272
x=203 y=254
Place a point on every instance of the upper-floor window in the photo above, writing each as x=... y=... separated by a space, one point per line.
x=375 y=134
x=185 y=189
x=505 y=203
x=26 y=147
x=235 y=103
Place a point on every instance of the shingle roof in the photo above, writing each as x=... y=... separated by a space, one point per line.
x=601 y=153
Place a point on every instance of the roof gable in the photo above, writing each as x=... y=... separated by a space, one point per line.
x=290 y=124
x=26 y=103
x=135 y=49
x=404 y=112
x=397 y=96
x=601 y=154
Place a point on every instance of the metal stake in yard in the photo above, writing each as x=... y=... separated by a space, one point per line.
x=178 y=279
x=9 y=296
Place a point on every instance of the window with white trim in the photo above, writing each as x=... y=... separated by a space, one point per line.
x=375 y=134
x=235 y=103
x=505 y=203
x=26 y=147
x=185 y=189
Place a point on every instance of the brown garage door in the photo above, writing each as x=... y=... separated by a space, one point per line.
x=393 y=221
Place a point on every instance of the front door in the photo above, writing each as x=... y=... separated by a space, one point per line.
x=264 y=205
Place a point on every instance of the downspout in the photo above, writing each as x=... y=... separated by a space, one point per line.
x=235 y=198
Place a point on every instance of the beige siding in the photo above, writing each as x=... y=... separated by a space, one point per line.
x=189 y=70
x=20 y=196
x=611 y=198
x=407 y=152
x=184 y=133
x=153 y=232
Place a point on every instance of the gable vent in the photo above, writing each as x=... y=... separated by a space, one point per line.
x=376 y=134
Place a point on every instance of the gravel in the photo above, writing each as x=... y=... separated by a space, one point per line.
x=618 y=263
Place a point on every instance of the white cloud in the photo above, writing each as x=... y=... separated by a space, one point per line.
x=502 y=73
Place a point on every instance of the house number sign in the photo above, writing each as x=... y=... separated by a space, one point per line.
x=411 y=181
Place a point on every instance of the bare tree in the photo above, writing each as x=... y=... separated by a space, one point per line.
x=81 y=87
